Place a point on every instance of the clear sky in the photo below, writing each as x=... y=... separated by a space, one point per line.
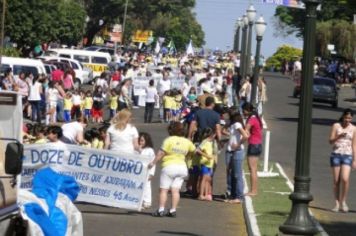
x=218 y=18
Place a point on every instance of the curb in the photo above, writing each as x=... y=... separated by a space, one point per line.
x=249 y=214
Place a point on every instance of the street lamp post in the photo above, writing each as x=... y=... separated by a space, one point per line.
x=260 y=27
x=237 y=35
x=251 y=14
x=243 y=46
x=299 y=221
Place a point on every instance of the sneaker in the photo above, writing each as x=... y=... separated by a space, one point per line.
x=336 y=208
x=344 y=207
x=172 y=214
x=158 y=213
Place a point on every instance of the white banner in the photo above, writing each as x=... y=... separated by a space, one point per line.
x=177 y=82
x=140 y=83
x=105 y=177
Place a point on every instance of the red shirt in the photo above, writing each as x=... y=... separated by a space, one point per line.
x=255 y=131
x=57 y=75
x=116 y=76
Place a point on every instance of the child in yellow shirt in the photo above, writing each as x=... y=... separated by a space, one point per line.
x=67 y=106
x=113 y=102
x=88 y=104
x=207 y=159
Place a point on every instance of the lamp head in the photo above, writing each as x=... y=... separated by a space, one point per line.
x=260 y=25
x=251 y=13
x=245 y=20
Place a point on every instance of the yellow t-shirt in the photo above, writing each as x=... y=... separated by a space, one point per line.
x=207 y=147
x=41 y=141
x=67 y=104
x=168 y=102
x=98 y=144
x=113 y=102
x=88 y=103
x=176 y=149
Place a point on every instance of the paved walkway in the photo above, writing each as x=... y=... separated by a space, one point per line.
x=194 y=217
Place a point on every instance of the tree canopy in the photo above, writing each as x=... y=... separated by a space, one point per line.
x=334 y=25
x=31 y=22
x=171 y=19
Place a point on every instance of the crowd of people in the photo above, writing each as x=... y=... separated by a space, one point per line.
x=209 y=108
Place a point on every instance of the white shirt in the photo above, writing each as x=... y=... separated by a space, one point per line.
x=150 y=153
x=164 y=85
x=52 y=95
x=34 y=93
x=235 y=136
x=71 y=130
x=151 y=94
x=122 y=140
x=76 y=99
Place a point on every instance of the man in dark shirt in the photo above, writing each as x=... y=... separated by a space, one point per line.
x=204 y=118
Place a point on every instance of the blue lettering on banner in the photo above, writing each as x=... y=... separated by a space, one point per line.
x=124 y=183
x=26 y=185
x=47 y=156
x=111 y=163
x=125 y=197
x=28 y=172
x=99 y=192
x=77 y=175
x=75 y=158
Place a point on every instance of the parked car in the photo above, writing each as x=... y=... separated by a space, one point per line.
x=109 y=50
x=83 y=75
x=19 y=65
x=96 y=61
x=325 y=90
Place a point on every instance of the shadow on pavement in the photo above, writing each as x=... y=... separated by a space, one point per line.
x=339 y=228
x=321 y=106
x=316 y=121
x=177 y=233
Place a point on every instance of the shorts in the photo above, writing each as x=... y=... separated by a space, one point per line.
x=254 y=149
x=337 y=159
x=67 y=117
x=87 y=112
x=173 y=176
x=204 y=170
x=195 y=170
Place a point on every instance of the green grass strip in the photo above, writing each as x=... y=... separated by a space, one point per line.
x=272 y=204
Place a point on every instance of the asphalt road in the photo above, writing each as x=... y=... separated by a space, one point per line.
x=281 y=115
x=194 y=217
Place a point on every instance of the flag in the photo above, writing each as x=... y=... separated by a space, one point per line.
x=190 y=49
x=171 y=47
x=157 y=48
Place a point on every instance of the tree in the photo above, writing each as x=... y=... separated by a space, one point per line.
x=166 y=18
x=283 y=53
x=292 y=19
x=32 y=22
x=334 y=25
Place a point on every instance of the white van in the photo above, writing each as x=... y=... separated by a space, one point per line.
x=97 y=61
x=83 y=74
x=19 y=65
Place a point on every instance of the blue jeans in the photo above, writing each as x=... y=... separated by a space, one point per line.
x=36 y=110
x=59 y=109
x=237 y=182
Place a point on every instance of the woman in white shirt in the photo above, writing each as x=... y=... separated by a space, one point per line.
x=121 y=135
x=151 y=98
x=234 y=158
x=34 y=98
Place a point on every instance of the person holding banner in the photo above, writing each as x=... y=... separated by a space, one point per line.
x=121 y=135
x=173 y=153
